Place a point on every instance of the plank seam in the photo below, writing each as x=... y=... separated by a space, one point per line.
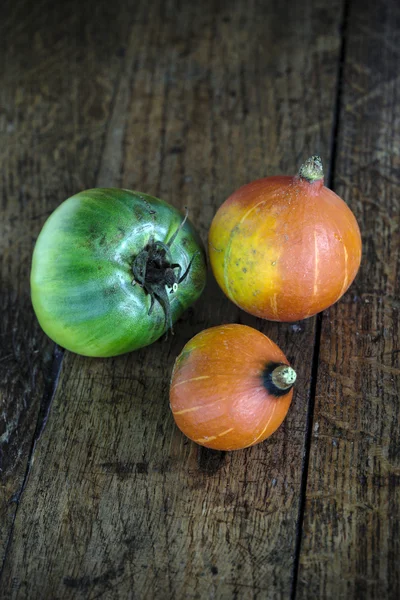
x=58 y=356
x=318 y=327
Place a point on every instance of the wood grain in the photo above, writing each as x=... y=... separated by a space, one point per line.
x=118 y=503
x=55 y=99
x=351 y=536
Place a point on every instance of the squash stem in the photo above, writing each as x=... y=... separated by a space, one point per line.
x=278 y=378
x=283 y=377
x=312 y=170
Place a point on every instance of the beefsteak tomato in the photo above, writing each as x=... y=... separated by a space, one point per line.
x=112 y=270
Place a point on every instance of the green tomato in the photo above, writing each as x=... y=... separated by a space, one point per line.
x=113 y=269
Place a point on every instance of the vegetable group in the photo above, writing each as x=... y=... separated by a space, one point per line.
x=113 y=269
x=231 y=387
x=285 y=248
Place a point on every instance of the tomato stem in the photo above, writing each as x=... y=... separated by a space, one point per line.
x=278 y=378
x=312 y=170
x=155 y=272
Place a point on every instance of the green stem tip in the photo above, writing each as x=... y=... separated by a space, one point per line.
x=283 y=377
x=312 y=170
x=278 y=378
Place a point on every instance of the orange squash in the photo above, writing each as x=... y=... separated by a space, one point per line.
x=285 y=248
x=231 y=387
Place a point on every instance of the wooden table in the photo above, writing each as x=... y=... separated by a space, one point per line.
x=101 y=495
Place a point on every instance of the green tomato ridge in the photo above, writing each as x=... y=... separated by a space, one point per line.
x=113 y=269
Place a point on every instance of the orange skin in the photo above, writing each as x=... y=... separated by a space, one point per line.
x=217 y=394
x=284 y=249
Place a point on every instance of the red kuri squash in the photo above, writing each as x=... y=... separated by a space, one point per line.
x=285 y=248
x=231 y=387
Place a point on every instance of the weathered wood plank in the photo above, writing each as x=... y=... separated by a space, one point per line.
x=351 y=536
x=118 y=503
x=55 y=98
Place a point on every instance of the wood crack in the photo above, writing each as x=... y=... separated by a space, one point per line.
x=43 y=415
x=318 y=328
